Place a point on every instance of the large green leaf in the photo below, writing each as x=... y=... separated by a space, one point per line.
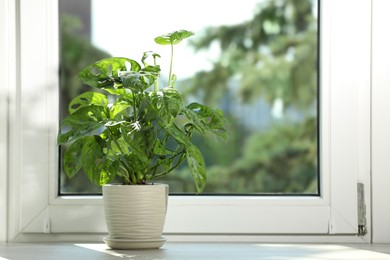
x=197 y=166
x=82 y=122
x=206 y=118
x=95 y=163
x=104 y=73
x=165 y=163
x=72 y=158
x=116 y=91
x=178 y=135
x=92 y=158
x=86 y=99
x=138 y=81
x=160 y=149
x=118 y=107
x=165 y=105
x=173 y=37
x=173 y=101
x=142 y=141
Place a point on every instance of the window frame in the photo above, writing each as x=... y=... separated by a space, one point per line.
x=6 y=51
x=345 y=129
x=380 y=126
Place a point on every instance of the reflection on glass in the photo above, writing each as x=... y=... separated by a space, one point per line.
x=257 y=60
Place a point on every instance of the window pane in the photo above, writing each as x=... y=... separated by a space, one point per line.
x=257 y=60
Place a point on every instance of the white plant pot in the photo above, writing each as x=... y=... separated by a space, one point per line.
x=135 y=215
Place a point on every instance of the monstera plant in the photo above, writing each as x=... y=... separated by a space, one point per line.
x=131 y=131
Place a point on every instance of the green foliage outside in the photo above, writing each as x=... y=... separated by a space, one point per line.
x=273 y=57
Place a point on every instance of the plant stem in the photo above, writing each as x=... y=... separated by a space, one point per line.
x=170 y=67
x=157 y=78
x=124 y=162
x=179 y=161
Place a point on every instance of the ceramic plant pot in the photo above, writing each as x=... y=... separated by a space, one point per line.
x=135 y=215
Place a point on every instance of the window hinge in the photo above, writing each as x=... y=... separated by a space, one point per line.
x=361 y=210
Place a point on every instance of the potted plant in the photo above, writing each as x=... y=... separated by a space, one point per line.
x=130 y=131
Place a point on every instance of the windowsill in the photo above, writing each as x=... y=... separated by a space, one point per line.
x=176 y=250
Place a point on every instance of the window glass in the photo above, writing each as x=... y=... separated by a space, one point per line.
x=255 y=59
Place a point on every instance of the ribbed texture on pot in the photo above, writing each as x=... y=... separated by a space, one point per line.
x=135 y=211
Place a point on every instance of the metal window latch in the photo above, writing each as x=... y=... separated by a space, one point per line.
x=361 y=210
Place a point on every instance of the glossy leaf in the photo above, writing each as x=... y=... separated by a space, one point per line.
x=104 y=73
x=197 y=166
x=138 y=81
x=160 y=149
x=81 y=123
x=72 y=158
x=148 y=54
x=173 y=37
x=173 y=101
x=92 y=158
x=178 y=135
x=87 y=99
x=118 y=107
x=116 y=91
x=207 y=119
x=96 y=164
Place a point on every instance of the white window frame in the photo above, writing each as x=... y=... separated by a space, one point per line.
x=6 y=51
x=33 y=207
x=380 y=121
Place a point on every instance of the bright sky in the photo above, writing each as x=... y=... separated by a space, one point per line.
x=128 y=28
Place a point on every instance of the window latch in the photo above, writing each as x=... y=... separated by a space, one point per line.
x=361 y=210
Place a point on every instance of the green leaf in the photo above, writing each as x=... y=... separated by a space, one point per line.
x=140 y=144
x=206 y=118
x=104 y=73
x=152 y=70
x=144 y=139
x=165 y=163
x=173 y=37
x=173 y=101
x=118 y=107
x=116 y=91
x=147 y=54
x=197 y=166
x=95 y=162
x=178 y=135
x=92 y=158
x=81 y=123
x=86 y=99
x=165 y=105
x=139 y=81
x=160 y=149
x=72 y=158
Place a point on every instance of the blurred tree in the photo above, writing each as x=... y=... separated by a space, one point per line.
x=272 y=57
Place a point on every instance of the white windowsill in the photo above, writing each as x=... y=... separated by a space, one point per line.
x=176 y=250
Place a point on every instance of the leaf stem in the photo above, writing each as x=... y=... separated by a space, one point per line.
x=126 y=167
x=158 y=77
x=170 y=67
x=178 y=163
